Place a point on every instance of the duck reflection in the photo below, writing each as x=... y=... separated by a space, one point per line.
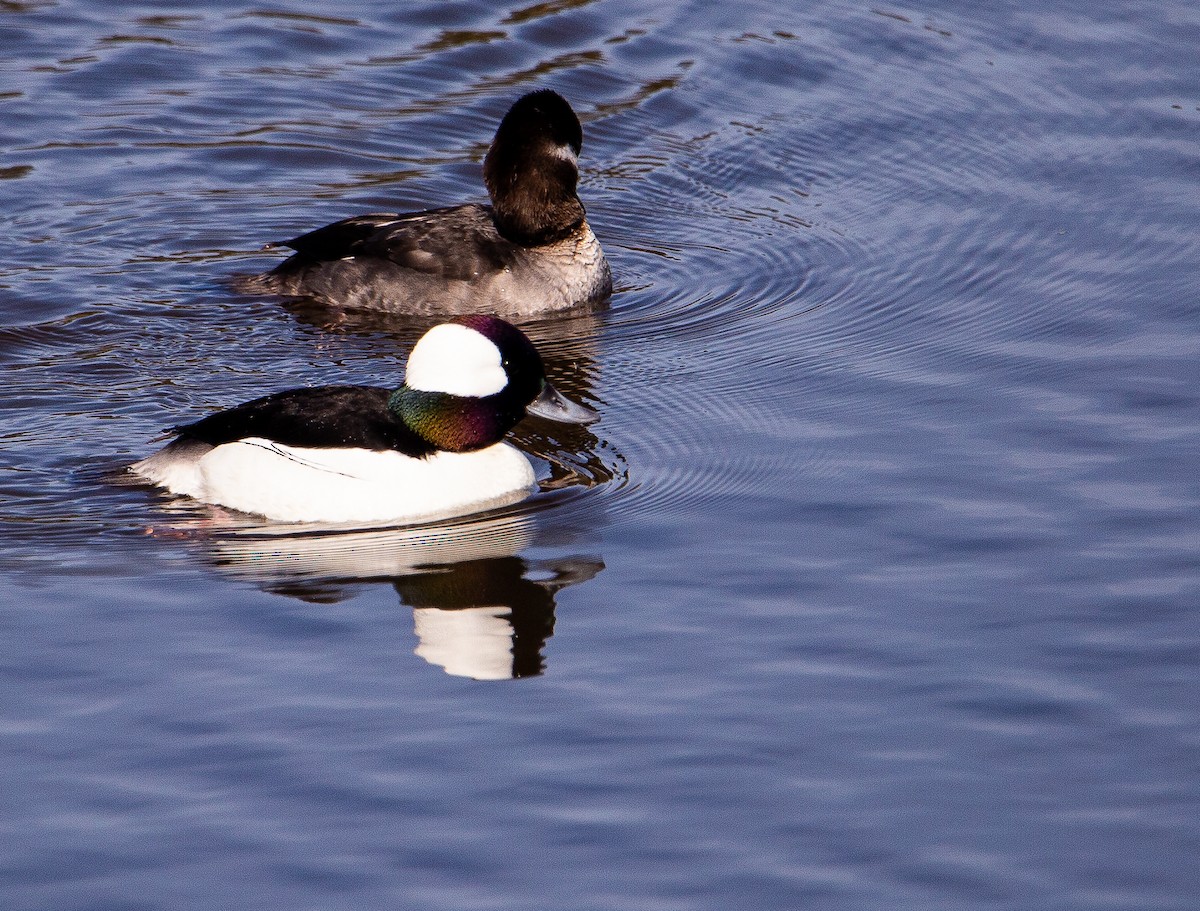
x=489 y=619
x=479 y=609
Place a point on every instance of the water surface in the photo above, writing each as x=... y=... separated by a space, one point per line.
x=875 y=587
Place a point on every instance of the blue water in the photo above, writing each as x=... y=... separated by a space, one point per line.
x=877 y=586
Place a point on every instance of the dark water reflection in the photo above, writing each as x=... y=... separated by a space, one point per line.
x=875 y=587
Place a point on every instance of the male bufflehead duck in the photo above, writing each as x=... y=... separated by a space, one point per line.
x=530 y=251
x=428 y=450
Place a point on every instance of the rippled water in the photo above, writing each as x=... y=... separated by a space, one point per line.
x=876 y=586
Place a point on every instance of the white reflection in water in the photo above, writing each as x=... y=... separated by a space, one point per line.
x=474 y=642
x=479 y=609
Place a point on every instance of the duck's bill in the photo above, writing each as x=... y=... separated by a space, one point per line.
x=555 y=406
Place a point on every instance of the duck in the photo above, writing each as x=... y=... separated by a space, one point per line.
x=432 y=449
x=531 y=251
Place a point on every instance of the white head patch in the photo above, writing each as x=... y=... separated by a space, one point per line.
x=454 y=359
x=565 y=152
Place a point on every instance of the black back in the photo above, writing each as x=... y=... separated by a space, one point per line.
x=321 y=417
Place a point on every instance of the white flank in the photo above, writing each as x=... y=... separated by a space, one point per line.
x=343 y=485
x=177 y=467
x=452 y=358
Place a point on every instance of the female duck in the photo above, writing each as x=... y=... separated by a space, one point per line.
x=430 y=449
x=530 y=251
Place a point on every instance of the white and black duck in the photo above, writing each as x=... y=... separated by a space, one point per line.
x=431 y=449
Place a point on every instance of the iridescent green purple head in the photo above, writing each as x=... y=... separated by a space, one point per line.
x=469 y=381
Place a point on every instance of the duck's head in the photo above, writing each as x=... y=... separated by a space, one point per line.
x=469 y=381
x=532 y=168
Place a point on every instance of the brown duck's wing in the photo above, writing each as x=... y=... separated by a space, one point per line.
x=455 y=243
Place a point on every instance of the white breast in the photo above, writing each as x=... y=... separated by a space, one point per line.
x=344 y=485
x=552 y=277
